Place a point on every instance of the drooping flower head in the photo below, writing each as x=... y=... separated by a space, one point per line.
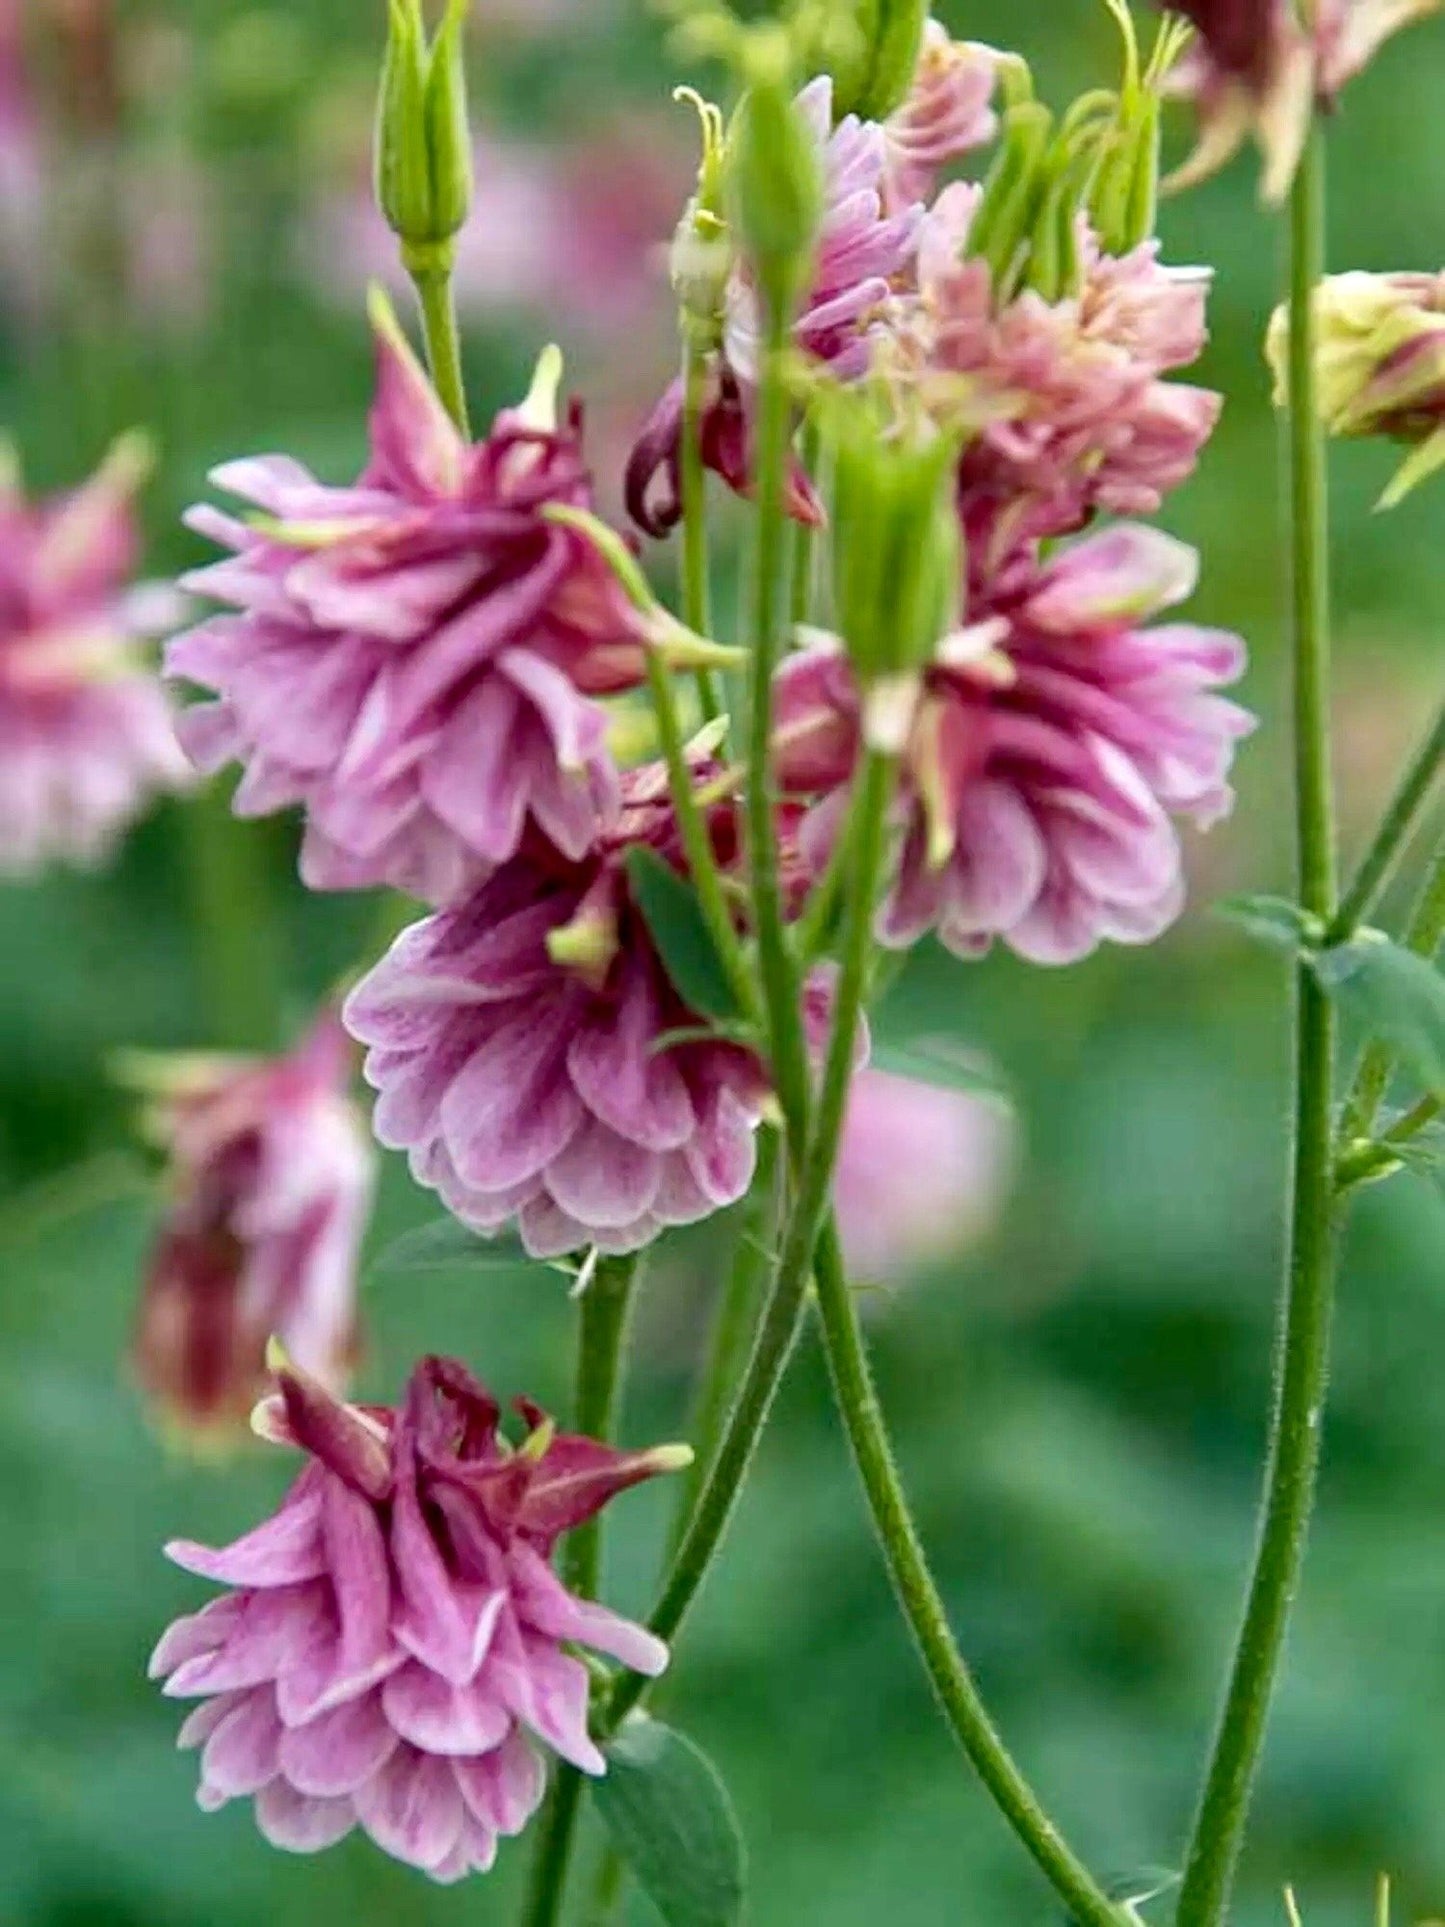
x=268 y=1190
x=1381 y=354
x=87 y=737
x=863 y=246
x=394 y=1640
x=1064 y=401
x=1055 y=740
x=922 y=1172
x=1259 y=68
x=514 y=1045
x=414 y=659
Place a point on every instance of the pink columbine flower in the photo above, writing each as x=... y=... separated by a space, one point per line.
x=1053 y=744
x=269 y=1188
x=863 y=247
x=513 y=1043
x=948 y=112
x=922 y=1173
x=1259 y=69
x=394 y=1638
x=1064 y=402
x=87 y=736
x=414 y=659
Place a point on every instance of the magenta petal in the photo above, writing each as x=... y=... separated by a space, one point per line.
x=201 y=1722
x=271 y=1630
x=334 y=1753
x=639 y=1092
x=412 y=1808
x=241 y=1756
x=504 y=1788
x=196 y=1636
x=282 y=1552
x=512 y=1109
x=558 y=1697
x=441 y=1718
x=297 y=1824
x=604 y=1180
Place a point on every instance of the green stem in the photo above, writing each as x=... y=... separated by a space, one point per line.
x=787 y=1047
x=1306 y=1314
x=805 y=540
x=432 y=279
x=234 y=927
x=696 y=841
x=922 y=1607
x=1401 y=820
x=733 y=1324
x=696 y=584
x=783 y=1317
x=600 y=1345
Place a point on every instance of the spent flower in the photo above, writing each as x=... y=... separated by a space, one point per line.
x=394 y=1642
x=414 y=659
x=268 y=1190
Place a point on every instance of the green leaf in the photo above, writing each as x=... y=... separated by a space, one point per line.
x=669 y=1817
x=1394 y=996
x=446 y=1245
x=1271 y=920
x=942 y=1063
x=679 y=929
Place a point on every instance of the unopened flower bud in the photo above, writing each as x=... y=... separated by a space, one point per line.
x=897 y=546
x=423 y=142
x=875 y=82
x=701 y=260
x=775 y=178
x=1381 y=365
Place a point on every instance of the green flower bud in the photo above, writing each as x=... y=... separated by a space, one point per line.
x=875 y=82
x=423 y=140
x=897 y=548
x=775 y=173
x=702 y=251
x=1017 y=182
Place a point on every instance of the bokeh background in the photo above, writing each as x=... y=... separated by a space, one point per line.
x=1079 y=1394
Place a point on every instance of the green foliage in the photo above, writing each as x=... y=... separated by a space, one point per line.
x=679 y=929
x=668 y=1815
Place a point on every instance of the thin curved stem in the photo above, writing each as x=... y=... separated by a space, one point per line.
x=783 y=1317
x=696 y=584
x=1399 y=825
x=922 y=1607
x=433 y=284
x=1308 y=1302
x=600 y=1345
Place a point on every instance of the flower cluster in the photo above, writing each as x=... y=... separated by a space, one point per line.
x=415 y=659
x=269 y=1182
x=394 y=1640
x=87 y=737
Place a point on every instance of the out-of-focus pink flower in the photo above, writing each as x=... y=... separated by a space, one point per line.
x=393 y=1639
x=1064 y=401
x=21 y=171
x=921 y=1173
x=269 y=1187
x=415 y=657
x=1053 y=744
x=512 y=1041
x=947 y=113
x=863 y=246
x=1258 y=69
x=87 y=736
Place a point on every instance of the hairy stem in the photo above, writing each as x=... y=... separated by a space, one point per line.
x=600 y=1346
x=696 y=584
x=1399 y=825
x=1303 y=1356
x=922 y=1607
x=433 y=283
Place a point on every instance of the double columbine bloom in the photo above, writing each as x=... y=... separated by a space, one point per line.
x=415 y=659
x=269 y=1185
x=393 y=1643
x=87 y=738
x=518 y=1042
x=1052 y=745
x=1259 y=67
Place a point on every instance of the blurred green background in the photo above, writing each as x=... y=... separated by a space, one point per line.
x=1080 y=1401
